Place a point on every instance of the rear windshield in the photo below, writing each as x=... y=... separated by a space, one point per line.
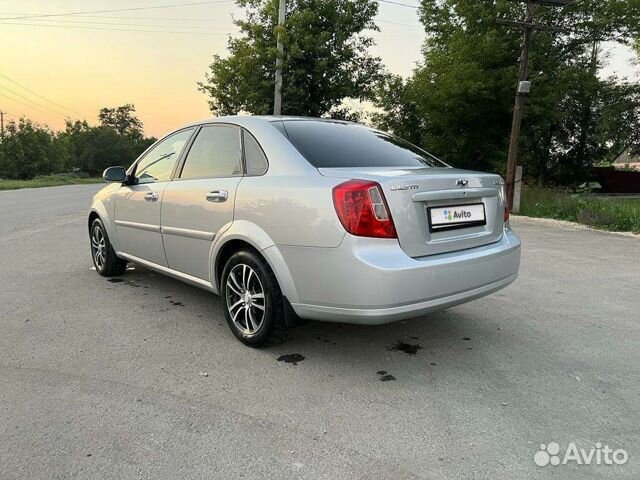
x=327 y=144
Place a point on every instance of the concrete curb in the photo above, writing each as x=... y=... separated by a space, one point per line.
x=572 y=225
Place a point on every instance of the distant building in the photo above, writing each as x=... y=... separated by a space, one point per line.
x=627 y=160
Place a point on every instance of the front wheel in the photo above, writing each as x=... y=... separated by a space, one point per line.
x=103 y=255
x=253 y=304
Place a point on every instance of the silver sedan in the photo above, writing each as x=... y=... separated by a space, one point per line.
x=291 y=218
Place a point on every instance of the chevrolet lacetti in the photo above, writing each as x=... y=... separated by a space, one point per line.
x=298 y=218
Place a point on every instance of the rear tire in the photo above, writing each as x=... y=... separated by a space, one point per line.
x=252 y=300
x=103 y=255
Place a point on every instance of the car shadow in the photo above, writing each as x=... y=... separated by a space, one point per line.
x=451 y=339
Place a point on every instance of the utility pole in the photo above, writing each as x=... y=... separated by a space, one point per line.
x=512 y=159
x=2 y=125
x=523 y=85
x=277 y=99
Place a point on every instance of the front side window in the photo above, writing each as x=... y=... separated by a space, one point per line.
x=216 y=152
x=157 y=164
x=254 y=156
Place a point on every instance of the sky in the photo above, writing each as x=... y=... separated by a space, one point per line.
x=52 y=67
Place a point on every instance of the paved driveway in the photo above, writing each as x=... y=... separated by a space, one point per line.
x=107 y=380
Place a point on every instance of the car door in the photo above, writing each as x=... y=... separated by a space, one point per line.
x=198 y=203
x=137 y=209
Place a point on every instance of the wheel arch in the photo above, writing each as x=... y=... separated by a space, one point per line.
x=249 y=235
x=92 y=216
x=98 y=210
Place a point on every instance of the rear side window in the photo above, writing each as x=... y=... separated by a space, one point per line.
x=216 y=152
x=254 y=156
x=327 y=144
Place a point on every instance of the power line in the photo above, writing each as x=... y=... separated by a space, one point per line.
x=121 y=17
x=398 y=23
x=231 y=25
x=133 y=24
x=30 y=106
x=172 y=19
x=29 y=100
x=180 y=19
x=396 y=34
x=42 y=15
x=40 y=96
x=354 y=105
x=112 y=29
x=400 y=4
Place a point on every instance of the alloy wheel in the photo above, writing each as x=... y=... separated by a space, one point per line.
x=245 y=299
x=98 y=247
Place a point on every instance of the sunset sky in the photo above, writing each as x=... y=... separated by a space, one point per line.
x=80 y=63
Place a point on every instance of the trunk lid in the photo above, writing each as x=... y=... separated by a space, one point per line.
x=411 y=192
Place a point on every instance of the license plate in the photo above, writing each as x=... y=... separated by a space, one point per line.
x=456 y=216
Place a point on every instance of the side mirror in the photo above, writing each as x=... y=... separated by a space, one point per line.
x=115 y=174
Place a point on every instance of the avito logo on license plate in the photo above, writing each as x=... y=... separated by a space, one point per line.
x=456 y=216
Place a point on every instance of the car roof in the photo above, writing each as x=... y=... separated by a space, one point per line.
x=246 y=120
x=284 y=118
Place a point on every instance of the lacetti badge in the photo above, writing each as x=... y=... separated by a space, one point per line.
x=404 y=187
x=451 y=215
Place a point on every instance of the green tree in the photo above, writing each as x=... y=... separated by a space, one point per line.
x=461 y=97
x=619 y=113
x=122 y=119
x=92 y=149
x=399 y=110
x=29 y=150
x=326 y=59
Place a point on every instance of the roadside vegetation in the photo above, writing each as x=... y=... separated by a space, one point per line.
x=36 y=154
x=48 y=181
x=610 y=213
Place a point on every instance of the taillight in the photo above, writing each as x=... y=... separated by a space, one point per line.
x=362 y=209
x=506 y=214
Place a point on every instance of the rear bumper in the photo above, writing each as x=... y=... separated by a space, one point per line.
x=372 y=281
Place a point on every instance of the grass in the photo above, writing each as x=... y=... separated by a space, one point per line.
x=614 y=214
x=47 y=181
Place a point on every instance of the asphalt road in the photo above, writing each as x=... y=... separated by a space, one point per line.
x=106 y=380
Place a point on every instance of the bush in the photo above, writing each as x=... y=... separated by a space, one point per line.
x=29 y=150
x=610 y=213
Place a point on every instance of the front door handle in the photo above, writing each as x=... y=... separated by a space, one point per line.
x=151 y=197
x=217 y=196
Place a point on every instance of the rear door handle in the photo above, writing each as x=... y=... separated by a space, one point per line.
x=151 y=197
x=217 y=196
